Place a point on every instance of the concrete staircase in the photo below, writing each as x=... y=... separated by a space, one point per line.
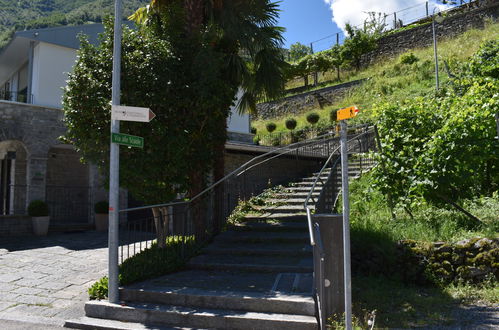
x=256 y=275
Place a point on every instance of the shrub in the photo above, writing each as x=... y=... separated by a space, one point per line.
x=38 y=208
x=99 y=290
x=333 y=115
x=313 y=118
x=152 y=262
x=101 y=207
x=253 y=130
x=270 y=127
x=291 y=123
x=408 y=58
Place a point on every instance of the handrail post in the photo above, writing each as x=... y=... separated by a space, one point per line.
x=346 y=227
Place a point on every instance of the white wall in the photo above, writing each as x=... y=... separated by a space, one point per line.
x=51 y=64
x=236 y=122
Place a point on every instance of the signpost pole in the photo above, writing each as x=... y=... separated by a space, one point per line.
x=114 y=163
x=346 y=226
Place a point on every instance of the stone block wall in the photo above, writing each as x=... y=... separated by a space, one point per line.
x=422 y=36
x=277 y=171
x=15 y=226
x=300 y=103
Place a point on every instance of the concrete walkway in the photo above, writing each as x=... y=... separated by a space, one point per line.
x=44 y=280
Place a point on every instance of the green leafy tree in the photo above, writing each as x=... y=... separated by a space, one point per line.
x=298 y=50
x=186 y=63
x=443 y=148
x=358 y=43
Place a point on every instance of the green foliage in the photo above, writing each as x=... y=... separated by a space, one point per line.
x=291 y=123
x=99 y=290
x=35 y=14
x=271 y=126
x=297 y=51
x=154 y=261
x=485 y=63
x=101 y=207
x=149 y=263
x=442 y=148
x=253 y=130
x=38 y=208
x=333 y=115
x=358 y=43
x=408 y=58
x=313 y=118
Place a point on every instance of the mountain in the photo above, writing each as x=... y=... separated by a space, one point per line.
x=16 y=15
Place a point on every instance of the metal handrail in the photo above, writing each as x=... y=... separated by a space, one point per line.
x=241 y=169
x=317 y=178
x=314 y=230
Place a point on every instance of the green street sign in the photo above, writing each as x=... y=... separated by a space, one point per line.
x=127 y=140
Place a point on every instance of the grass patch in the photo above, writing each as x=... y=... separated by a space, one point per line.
x=399 y=305
x=391 y=81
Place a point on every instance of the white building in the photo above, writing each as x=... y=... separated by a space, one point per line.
x=34 y=68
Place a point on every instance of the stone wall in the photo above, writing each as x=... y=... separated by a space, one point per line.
x=422 y=36
x=300 y=103
x=15 y=226
x=277 y=171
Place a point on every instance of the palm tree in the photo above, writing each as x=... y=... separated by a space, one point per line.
x=243 y=35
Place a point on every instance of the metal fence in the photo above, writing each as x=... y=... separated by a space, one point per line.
x=206 y=214
x=68 y=204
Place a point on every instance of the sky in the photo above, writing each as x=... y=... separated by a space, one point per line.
x=308 y=21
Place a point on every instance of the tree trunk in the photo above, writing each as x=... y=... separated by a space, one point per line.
x=459 y=208
x=196 y=207
x=161 y=224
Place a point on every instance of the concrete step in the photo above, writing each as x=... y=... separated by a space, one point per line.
x=92 y=323
x=196 y=317
x=270 y=226
x=253 y=263
x=225 y=300
x=217 y=281
x=259 y=249
x=298 y=194
x=285 y=209
x=276 y=217
x=289 y=201
x=308 y=184
x=267 y=237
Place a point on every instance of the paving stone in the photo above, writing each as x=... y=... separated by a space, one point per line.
x=34 y=300
x=53 y=285
x=28 y=290
x=8 y=286
x=47 y=278
x=8 y=278
x=4 y=305
x=10 y=297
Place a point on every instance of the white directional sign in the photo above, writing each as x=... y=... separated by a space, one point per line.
x=122 y=112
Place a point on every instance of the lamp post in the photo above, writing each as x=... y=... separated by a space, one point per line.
x=433 y=19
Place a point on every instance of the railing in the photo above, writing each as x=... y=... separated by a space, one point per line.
x=68 y=204
x=205 y=214
x=358 y=145
x=16 y=96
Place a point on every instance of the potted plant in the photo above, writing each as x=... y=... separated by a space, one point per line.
x=39 y=212
x=101 y=215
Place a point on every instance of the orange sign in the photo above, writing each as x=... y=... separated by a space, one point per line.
x=347 y=113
